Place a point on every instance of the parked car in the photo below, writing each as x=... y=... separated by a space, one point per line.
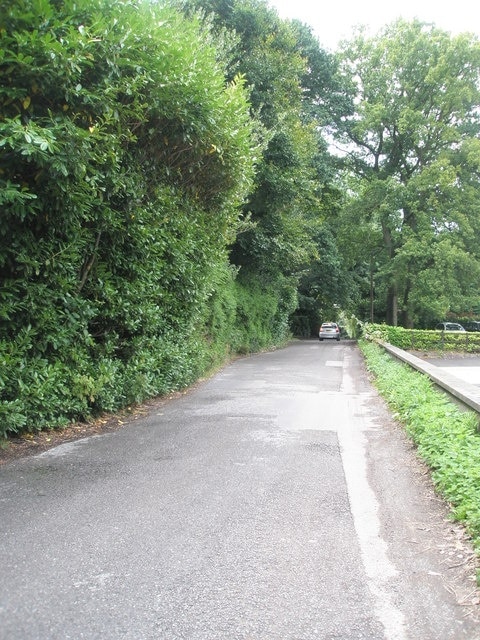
x=472 y=325
x=449 y=326
x=329 y=331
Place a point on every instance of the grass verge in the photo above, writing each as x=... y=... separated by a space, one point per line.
x=447 y=437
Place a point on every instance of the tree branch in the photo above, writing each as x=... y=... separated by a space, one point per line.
x=90 y=263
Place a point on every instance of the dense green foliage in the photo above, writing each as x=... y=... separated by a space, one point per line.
x=125 y=156
x=411 y=166
x=169 y=194
x=447 y=438
x=423 y=339
x=290 y=77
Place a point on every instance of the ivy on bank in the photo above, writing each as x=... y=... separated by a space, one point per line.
x=447 y=438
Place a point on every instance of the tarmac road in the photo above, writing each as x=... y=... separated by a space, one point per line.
x=464 y=367
x=276 y=501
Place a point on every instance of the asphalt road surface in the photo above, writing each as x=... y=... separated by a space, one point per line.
x=465 y=367
x=276 y=501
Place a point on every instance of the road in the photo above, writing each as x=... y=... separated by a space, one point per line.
x=465 y=367
x=277 y=500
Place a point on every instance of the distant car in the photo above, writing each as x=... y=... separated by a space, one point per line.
x=449 y=326
x=329 y=331
x=472 y=325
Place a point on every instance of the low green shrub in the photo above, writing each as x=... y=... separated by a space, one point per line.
x=423 y=339
x=447 y=438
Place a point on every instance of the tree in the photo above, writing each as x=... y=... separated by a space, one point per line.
x=326 y=287
x=414 y=96
x=289 y=76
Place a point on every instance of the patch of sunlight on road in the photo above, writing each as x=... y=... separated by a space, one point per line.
x=310 y=411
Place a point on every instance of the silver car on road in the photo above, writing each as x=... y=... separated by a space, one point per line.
x=329 y=331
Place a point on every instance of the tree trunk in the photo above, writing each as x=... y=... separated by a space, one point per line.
x=372 y=293
x=87 y=267
x=406 y=318
x=392 y=294
x=392 y=306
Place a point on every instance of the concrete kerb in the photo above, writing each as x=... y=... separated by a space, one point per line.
x=467 y=393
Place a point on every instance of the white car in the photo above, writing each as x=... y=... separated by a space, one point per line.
x=329 y=331
x=449 y=327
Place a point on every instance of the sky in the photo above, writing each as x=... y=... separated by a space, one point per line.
x=333 y=20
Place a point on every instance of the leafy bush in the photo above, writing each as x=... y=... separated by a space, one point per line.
x=447 y=438
x=423 y=339
x=262 y=314
x=125 y=157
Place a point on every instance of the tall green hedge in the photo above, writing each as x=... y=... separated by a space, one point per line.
x=124 y=156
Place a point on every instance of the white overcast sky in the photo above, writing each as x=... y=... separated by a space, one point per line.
x=333 y=20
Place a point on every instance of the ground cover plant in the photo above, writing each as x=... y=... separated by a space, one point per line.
x=447 y=437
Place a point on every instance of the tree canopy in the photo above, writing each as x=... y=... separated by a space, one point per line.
x=292 y=87
x=414 y=97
